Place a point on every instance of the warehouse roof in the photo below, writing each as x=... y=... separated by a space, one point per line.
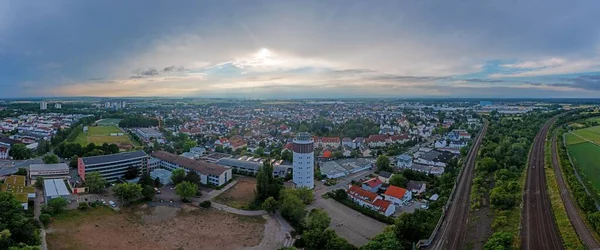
x=40 y=167
x=55 y=187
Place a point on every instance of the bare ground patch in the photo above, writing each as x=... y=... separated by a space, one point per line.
x=155 y=228
x=241 y=195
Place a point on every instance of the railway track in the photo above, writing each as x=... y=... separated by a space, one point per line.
x=584 y=232
x=451 y=234
x=539 y=230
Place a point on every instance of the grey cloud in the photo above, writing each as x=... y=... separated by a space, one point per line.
x=482 y=80
x=173 y=69
x=586 y=82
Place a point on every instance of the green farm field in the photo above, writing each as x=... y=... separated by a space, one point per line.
x=589 y=134
x=573 y=139
x=586 y=156
x=101 y=134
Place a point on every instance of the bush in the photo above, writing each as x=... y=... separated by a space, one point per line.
x=45 y=219
x=83 y=206
x=205 y=204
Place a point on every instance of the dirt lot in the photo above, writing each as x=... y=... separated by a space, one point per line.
x=240 y=195
x=158 y=227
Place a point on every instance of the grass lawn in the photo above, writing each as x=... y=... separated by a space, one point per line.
x=101 y=134
x=586 y=156
x=108 y=122
x=595 y=129
x=574 y=139
x=588 y=134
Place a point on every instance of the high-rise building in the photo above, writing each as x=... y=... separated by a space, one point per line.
x=57 y=105
x=43 y=105
x=304 y=161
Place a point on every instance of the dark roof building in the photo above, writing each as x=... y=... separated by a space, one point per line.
x=112 y=167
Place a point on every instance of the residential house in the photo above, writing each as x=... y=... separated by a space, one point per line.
x=370 y=200
x=435 y=158
x=385 y=176
x=416 y=187
x=372 y=185
x=333 y=142
x=397 y=195
x=358 y=142
x=404 y=161
x=377 y=141
x=347 y=142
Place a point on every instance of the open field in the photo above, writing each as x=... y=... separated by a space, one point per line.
x=586 y=156
x=588 y=134
x=101 y=134
x=239 y=196
x=574 y=139
x=160 y=227
x=108 y=122
x=595 y=129
x=576 y=125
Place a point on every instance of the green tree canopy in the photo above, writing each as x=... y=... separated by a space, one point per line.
x=128 y=192
x=186 y=190
x=270 y=205
x=178 y=175
x=383 y=164
x=398 y=180
x=95 y=182
x=20 y=152
x=267 y=185
x=57 y=205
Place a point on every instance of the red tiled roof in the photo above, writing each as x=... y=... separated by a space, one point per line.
x=373 y=182
x=289 y=146
x=330 y=139
x=396 y=192
x=377 y=138
x=362 y=194
x=382 y=204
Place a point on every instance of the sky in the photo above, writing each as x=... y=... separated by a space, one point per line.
x=300 y=49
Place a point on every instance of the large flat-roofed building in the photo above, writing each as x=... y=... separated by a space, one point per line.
x=48 y=171
x=15 y=184
x=111 y=167
x=210 y=173
x=147 y=133
x=251 y=167
x=55 y=188
x=163 y=175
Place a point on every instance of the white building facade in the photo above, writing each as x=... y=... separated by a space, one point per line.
x=304 y=161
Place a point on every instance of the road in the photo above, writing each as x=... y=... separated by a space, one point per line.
x=584 y=233
x=451 y=234
x=539 y=230
x=9 y=167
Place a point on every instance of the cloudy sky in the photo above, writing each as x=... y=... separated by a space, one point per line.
x=300 y=49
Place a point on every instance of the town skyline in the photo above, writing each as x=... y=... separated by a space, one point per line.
x=274 y=49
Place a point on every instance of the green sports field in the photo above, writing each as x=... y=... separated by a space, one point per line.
x=586 y=156
x=101 y=134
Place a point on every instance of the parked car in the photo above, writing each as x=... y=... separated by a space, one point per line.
x=112 y=203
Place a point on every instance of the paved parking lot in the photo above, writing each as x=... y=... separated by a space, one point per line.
x=348 y=223
x=409 y=208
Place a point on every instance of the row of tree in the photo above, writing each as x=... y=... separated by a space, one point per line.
x=69 y=150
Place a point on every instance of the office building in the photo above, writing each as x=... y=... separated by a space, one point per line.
x=43 y=105
x=113 y=167
x=49 y=171
x=304 y=161
x=57 y=105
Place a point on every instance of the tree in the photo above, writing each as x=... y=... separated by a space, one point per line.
x=177 y=176
x=113 y=149
x=90 y=147
x=384 y=241
x=148 y=192
x=305 y=194
x=19 y=152
x=186 y=190
x=39 y=182
x=287 y=156
x=383 y=164
x=146 y=180
x=57 y=205
x=317 y=220
x=50 y=159
x=131 y=173
x=193 y=177
x=266 y=185
x=499 y=240
x=270 y=205
x=45 y=219
x=21 y=171
x=292 y=208
x=128 y=191
x=15 y=227
x=95 y=182
x=43 y=147
x=73 y=161
x=398 y=180
x=410 y=226
x=260 y=151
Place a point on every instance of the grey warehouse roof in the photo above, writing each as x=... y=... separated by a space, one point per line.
x=101 y=159
x=41 y=167
x=250 y=165
x=55 y=187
